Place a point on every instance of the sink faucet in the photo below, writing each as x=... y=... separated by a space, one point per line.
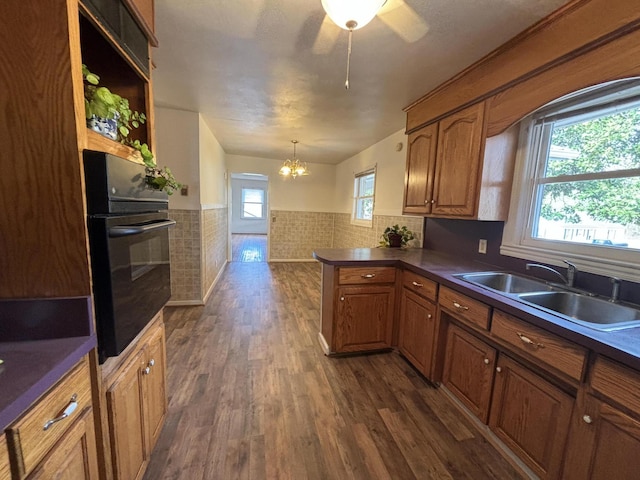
x=571 y=272
x=615 y=290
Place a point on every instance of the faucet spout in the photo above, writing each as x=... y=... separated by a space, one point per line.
x=528 y=266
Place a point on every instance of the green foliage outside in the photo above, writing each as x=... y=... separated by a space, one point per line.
x=607 y=143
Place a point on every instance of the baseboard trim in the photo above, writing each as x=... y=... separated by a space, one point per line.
x=324 y=344
x=215 y=282
x=184 y=303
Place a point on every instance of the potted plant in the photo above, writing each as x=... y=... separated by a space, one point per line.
x=110 y=115
x=396 y=236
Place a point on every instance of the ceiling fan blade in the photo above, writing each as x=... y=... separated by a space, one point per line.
x=326 y=38
x=403 y=20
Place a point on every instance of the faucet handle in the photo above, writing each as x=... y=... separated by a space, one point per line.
x=571 y=273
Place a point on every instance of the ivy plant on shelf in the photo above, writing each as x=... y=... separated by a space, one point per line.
x=110 y=115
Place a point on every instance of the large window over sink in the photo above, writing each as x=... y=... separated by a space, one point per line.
x=577 y=182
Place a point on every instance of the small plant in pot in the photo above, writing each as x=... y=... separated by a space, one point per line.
x=396 y=236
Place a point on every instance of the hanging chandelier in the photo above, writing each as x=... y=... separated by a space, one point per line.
x=351 y=16
x=293 y=167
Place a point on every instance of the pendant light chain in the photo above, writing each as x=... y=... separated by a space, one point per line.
x=351 y=24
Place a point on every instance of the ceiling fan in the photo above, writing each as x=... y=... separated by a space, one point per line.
x=396 y=14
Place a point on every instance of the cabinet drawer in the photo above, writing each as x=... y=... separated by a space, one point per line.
x=554 y=351
x=366 y=275
x=617 y=382
x=30 y=441
x=464 y=308
x=420 y=285
x=4 y=458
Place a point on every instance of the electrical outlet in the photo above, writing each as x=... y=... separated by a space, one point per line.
x=482 y=246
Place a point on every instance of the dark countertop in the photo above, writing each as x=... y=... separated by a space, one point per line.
x=31 y=368
x=621 y=345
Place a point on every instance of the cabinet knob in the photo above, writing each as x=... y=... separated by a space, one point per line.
x=427 y=201
x=152 y=362
x=342 y=299
x=486 y=361
x=429 y=315
x=146 y=371
x=498 y=369
x=433 y=201
x=587 y=419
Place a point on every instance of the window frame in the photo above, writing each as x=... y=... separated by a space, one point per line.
x=518 y=240
x=356 y=197
x=242 y=204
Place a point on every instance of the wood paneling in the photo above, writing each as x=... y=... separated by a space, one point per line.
x=44 y=233
x=620 y=384
x=579 y=26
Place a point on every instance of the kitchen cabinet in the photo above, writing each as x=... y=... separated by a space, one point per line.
x=417 y=329
x=136 y=405
x=57 y=434
x=468 y=370
x=531 y=416
x=604 y=441
x=465 y=309
x=453 y=171
x=358 y=309
x=74 y=457
x=4 y=458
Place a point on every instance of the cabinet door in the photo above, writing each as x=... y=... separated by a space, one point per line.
x=4 y=458
x=458 y=163
x=604 y=443
x=468 y=370
x=418 y=181
x=364 y=318
x=155 y=398
x=417 y=330
x=74 y=457
x=531 y=416
x=125 y=410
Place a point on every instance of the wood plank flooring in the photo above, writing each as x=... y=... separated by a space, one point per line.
x=251 y=396
x=248 y=248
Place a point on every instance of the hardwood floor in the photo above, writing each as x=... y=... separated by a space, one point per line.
x=251 y=396
x=248 y=248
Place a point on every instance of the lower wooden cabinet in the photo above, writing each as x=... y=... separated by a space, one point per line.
x=604 y=443
x=136 y=406
x=4 y=458
x=416 y=337
x=364 y=318
x=531 y=416
x=74 y=457
x=468 y=370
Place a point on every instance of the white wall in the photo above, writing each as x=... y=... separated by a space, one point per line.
x=177 y=147
x=389 y=176
x=312 y=193
x=213 y=175
x=250 y=225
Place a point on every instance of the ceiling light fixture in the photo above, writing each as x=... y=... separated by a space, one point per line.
x=293 y=167
x=351 y=16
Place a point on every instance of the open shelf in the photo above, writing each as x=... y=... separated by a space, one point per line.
x=99 y=143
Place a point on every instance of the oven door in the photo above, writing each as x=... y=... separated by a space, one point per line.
x=131 y=275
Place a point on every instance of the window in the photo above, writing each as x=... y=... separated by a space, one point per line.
x=363 y=194
x=252 y=203
x=577 y=185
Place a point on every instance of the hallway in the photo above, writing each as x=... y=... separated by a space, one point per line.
x=251 y=396
x=248 y=248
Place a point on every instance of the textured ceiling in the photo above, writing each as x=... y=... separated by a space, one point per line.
x=264 y=72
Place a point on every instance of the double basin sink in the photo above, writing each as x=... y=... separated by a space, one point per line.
x=580 y=308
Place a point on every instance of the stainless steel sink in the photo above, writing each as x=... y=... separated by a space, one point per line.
x=505 y=282
x=585 y=310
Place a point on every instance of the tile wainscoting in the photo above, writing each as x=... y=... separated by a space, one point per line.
x=295 y=235
x=198 y=246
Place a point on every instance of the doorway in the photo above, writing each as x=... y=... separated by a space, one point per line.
x=248 y=224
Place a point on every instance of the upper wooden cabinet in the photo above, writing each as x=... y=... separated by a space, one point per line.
x=453 y=171
x=144 y=12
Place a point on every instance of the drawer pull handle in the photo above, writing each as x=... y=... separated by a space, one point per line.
x=416 y=284
x=146 y=371
x=528 y=341
x=587 y=419
x=152 y=362
x=368 y=275
x=460 y=307
x=69 y=409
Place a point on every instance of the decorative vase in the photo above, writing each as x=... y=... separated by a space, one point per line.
x=107 y=127
x=395 y=240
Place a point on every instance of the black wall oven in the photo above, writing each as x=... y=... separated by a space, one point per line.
x=129 y=241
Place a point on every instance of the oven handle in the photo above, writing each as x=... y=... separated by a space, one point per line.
x=127 y=230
